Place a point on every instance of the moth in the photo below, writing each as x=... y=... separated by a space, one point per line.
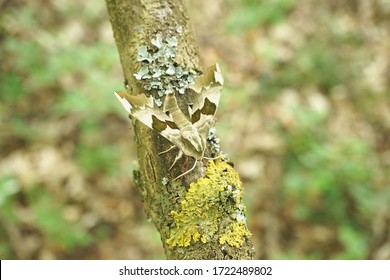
x=189 y=134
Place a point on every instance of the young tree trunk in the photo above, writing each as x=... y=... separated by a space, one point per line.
x=202 y=220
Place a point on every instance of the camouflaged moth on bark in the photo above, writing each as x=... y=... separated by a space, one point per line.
x=187 y=134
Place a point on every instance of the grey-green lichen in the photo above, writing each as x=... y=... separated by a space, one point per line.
x=213 y=139
x=211 y=210
x=164 y=181
x=159 y=71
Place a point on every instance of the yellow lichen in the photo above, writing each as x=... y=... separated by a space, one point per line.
x=212 y=199
x=234 y=236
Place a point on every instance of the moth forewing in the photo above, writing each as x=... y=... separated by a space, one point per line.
x=133 y=103
x=141 y=108
x=211 y=76
x=218 y=74
x=207 y=87
x=122 y=99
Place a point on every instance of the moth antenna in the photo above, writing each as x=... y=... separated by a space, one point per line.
x=188 y=171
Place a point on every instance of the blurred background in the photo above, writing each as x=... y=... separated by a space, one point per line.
x=304 y=115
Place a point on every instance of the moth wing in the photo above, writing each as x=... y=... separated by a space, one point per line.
x=121 y=96
x=210 y=76
x=203 y=119
x=207 y=87
x=207 y=92
x=204 y=126
x=218 y=74
x=166 y=127
x=133 y=103
x=142 y=108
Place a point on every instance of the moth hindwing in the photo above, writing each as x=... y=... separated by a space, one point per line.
x=188 y=134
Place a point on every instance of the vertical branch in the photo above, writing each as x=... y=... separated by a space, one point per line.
x=134 y=24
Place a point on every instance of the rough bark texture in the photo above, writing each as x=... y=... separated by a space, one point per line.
x=135 y=23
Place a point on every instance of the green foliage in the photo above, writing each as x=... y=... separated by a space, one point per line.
x=11 y=87
x=50 y=75
x=331 y=179
x=49 y=219
x=314 y=64
x=326 y=178
x=318 y=65
x=95 y=159
x=47 y=214
x=8 y=188
x=255 y=13
x=94 y=156
x=356 y=244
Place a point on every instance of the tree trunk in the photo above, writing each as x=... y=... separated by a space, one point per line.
x=202 y=220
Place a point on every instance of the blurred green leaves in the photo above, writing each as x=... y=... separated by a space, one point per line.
x=54 y=70
x=256 y=13
x=94 y=159
x=332 y=181
x=329 y=181
x=12 y=88
x=313 y=64
x=49 y=218
x=8 y=188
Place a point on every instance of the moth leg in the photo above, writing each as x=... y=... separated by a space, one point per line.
x=169 y=149
x=213 y=157
x=188 y=171
x=179 y=155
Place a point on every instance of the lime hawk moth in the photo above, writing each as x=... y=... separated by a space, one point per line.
x=189 y=134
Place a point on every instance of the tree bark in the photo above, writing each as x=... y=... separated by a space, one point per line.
x=134 y=24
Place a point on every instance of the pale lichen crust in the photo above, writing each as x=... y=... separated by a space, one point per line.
x=212 y=209
x=159 y=71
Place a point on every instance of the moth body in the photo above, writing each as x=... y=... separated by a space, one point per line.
x=189 y=133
